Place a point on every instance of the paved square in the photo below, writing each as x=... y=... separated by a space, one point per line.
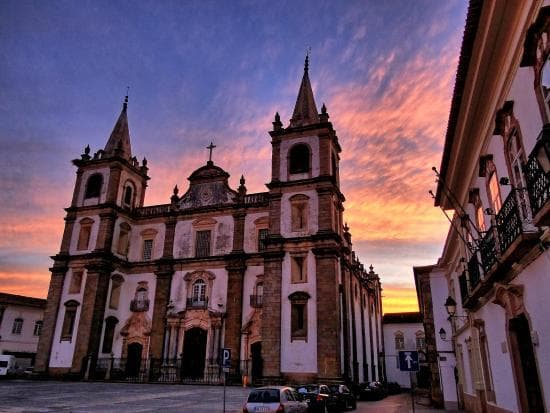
x=55 y=396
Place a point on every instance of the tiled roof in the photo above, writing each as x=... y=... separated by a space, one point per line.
x=14 y=299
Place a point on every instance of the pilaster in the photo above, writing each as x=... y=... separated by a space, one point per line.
x=68 y=233
x=50 y=317
x=234 y=304
x=92 y=313
x=238 y=231
x=162 y=297
x=168 y=250
x=105 y=233
x=114 y=183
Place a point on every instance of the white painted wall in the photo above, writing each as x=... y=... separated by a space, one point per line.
x=299 y=356
x=76 y=232
x=216 y=296
x=221 y=241
x=135 y=251
x=26 y=341
x=409 y=331
x=250 y=232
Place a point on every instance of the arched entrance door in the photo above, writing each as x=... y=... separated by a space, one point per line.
x=257 y=362
x=133 y=360
x=194 y=353
x=525 y=365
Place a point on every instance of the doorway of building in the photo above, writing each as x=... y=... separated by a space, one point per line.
x=133 y=359
x=525 y=365
x=194 y=353
x=257 y=362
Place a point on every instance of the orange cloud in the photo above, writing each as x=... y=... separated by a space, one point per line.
x=397 y=298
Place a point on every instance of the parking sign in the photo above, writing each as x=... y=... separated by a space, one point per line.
x=226 y=357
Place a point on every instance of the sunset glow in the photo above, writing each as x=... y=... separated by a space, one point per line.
x=218 y=71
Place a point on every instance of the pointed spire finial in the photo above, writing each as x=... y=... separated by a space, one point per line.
x=305 y=110
x=306 y=65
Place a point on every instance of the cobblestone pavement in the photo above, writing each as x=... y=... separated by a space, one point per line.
x=36 y=396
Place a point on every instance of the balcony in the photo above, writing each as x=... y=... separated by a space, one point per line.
x=537 y=176
x=139 y=306
x=488 y=250
x=196 y=304
x=256 y=301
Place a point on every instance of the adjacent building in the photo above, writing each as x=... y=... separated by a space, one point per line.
x=20 y=327
x=402 y=332
x=492 y=279
x=154 y=292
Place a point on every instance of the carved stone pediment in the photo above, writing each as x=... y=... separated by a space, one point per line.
x=208 y=187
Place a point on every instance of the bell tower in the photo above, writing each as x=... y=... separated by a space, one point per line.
x=305 y=234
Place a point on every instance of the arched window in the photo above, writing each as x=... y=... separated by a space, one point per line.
x=299 y=159
x=93 y=186
x=256 y=299
x=124 y=239
x=140 y=303
x=298 y=315
x=108 y=337
x=128 y=195
x=399 y=341
x=299 y=207
x=71 y=307
x=199 y=291
x=84 y=234
x=116 y=286
x=17 y=326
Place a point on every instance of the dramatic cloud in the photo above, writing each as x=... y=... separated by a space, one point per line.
x=219 y=72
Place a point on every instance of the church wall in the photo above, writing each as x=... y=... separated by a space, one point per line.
x=216 y=293
x=93 y=235
x=62 y=351
x=250 y=280
x=312 y=216
x=251 y=232
x=136 y=196
x=299 y=356
x=135 y=251
x=313 y=142
x=105 y=172
x=222 y=236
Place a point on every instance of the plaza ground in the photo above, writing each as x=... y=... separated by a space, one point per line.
x=33 y=396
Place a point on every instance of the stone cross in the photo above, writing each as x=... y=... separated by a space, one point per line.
x=210 y=147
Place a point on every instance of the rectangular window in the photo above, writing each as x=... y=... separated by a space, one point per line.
x=68 y=323
x=494 y=193
x=399 y=342
x=17 y=326
x=202 y=244
x=147 y=249
x=262 y=237
x=298 y=321
x=298 y=269
x=37 y=328
x=420 y=343
x=76 y=282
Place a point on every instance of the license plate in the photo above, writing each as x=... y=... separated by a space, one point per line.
x=261 y=410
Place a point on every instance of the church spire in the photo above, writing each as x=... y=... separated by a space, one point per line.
x=305 y=111
x=119 y=141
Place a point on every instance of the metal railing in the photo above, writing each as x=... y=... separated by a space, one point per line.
x=197 y=304
x=487 y=250
x=463 y=284
x=508 y=220
x=153 y=210
x=473 y=272
x=538 y=182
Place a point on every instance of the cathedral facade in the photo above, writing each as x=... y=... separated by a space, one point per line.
x=154 y=292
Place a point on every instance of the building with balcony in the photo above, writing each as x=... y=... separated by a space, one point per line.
x=21 y=321
x=152 y=293
x=494 y=185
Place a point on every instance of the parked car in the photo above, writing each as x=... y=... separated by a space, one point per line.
x=275 y=399
x=321 y=398
x=372 y=391
x=393 y=388
x=346 y=399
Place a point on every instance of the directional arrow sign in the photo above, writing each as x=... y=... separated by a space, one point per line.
x=408 y=360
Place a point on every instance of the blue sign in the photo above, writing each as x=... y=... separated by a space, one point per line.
x=226 y=357
x=408 y=360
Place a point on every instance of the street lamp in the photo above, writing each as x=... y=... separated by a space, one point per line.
x=450 y=306
x=443 y=334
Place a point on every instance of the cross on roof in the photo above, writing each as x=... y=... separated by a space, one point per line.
x=210 y=147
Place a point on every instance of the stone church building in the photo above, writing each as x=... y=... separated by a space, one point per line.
x=152 y=293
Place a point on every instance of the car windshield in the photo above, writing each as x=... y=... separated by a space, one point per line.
x=264 y=396
x=334 y=389
x=309 y=389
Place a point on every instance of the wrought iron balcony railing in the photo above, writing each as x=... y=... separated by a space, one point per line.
x=487 y=249
x=139 y=306
x=256 y=301
x=463 y=284
x=474 y=273
x=509 y=220
x=538 y=181
x=196 y=303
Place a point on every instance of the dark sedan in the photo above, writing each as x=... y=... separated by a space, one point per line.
x=321 y=398
x=346 y=399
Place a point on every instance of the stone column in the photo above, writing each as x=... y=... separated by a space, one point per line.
x=68 y=233
x=114 y=183
x=50 y=317
x=238 y=231
x=77 y=186
x=92 y=309
x=328 y=328
x=325 y=210
x=234 y=308
x=271 y=315
x=164 y=275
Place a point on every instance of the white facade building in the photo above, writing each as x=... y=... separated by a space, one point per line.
x=494 y=183
x=20 y=327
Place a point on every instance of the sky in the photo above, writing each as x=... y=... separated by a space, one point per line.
x=202 y=71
